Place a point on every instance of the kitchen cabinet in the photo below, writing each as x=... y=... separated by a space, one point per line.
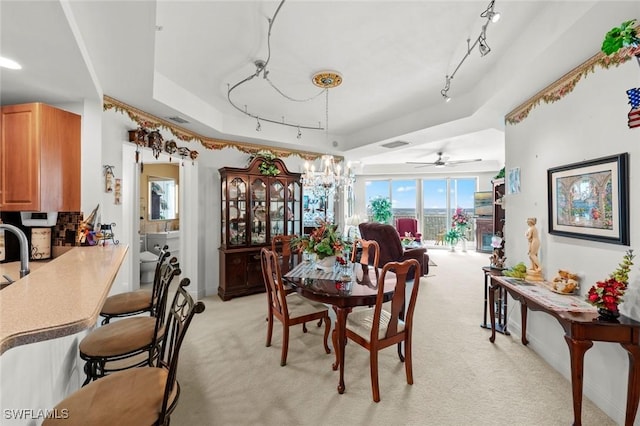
x=40 y=159
x=254 y=209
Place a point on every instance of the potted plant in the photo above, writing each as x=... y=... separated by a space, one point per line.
x=381 y=209
x=324 y=242
x=452 y=237
x=618 y=37
x=267 y=166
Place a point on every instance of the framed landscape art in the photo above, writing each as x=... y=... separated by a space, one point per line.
x=590 y=200
x=483 y=203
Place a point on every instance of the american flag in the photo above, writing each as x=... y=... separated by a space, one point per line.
x=634 y=114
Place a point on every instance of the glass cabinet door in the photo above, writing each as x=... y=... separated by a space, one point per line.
x=236 y=211
x=259 y=213
x=294 y=216
x=277 y=208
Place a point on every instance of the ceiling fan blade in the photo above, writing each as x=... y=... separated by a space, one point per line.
x=420 y=162
x=464 y=161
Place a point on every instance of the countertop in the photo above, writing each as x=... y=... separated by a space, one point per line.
x=58 y=298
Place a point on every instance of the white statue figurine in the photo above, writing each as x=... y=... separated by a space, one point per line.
x=534 y=273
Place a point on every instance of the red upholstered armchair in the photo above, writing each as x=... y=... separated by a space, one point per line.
x=410 y=225
x=391 y=249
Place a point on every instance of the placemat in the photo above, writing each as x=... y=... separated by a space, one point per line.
x=560 y=302
x=309 y=270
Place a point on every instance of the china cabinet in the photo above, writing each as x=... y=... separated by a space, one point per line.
x=255 y=208
x=40 y=159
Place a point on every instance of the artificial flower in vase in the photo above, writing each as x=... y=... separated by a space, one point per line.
x=607 y=295
x=460 y=221
x=324 y=242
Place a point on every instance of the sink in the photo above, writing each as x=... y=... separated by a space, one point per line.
x=169 y=238
x=167 y=234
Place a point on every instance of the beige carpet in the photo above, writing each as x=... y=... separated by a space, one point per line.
x=229 y=377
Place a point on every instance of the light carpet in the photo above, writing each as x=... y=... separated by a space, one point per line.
x=229 y=377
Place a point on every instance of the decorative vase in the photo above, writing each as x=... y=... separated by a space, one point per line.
x=607 y=315
x=453 y=247
x=464 y=246
x=327 y=264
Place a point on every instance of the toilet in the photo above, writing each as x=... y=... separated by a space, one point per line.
x=148 y=262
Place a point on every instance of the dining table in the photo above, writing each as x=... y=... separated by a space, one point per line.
x=344 y=288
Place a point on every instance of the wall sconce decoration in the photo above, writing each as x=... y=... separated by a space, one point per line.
x=138 y=136
x=108 y=178
x=154 y=141
x=118 y=193
x=171 y=147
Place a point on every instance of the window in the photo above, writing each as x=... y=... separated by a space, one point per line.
x=439 y=198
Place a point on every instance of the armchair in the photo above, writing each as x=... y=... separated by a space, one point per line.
x=391 y=249
x=410 y=225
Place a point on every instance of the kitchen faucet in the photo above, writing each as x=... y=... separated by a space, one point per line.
x=24 y=247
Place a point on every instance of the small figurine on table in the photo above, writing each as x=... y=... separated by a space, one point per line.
x=534 y=273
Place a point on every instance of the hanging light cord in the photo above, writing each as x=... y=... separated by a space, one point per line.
x=261 y=67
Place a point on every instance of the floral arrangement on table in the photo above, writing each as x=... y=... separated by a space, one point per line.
x=323 y=241
x=607 y=295
x=267 y=167
x=460 y=221
x=452 y=236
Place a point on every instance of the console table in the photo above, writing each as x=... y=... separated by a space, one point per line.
x=582 y=327
x=498 y=310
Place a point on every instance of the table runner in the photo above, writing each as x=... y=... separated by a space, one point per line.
x=544 y=296
x=309 y=270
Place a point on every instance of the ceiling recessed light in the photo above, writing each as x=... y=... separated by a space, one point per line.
x=9 y=63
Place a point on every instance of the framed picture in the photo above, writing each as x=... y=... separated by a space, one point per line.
x=483 y=203
x=590 y=200
x=514 y=181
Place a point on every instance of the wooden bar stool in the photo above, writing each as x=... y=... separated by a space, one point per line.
x=134 y=302
x=138 y=396
x=129 y=342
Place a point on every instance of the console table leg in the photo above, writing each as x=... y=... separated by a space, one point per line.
x=523 y=320
x=492 y=317
x=577 y=348
x=633 y=386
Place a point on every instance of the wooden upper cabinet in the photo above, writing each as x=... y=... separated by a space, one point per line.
x=39 y=159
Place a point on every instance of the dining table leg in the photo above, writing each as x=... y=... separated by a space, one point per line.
x=341 y=326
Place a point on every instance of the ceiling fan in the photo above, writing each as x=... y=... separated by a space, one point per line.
x=442 y=161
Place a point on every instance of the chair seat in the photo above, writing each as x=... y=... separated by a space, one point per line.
x=299 y=307
x=133 y=301
x=361 y=321
x=131 y=397
x=119 y=338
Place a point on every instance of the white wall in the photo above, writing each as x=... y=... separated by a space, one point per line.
x=589 y=123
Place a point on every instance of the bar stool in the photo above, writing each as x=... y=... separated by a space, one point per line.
x=134 y=302
x=129 y=342
x=139 y=396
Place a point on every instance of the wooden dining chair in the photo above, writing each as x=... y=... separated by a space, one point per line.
x=289 y=310
x=366 y=255
x=377 y=328
x=129 y=342
x=136 y=302
x=138 y=396
x=281 y=245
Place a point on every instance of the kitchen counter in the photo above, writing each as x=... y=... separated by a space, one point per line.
x=58 y=298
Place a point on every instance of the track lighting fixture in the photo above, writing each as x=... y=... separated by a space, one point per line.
x=481 y=42
x=490 y=14
x=324 y=80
